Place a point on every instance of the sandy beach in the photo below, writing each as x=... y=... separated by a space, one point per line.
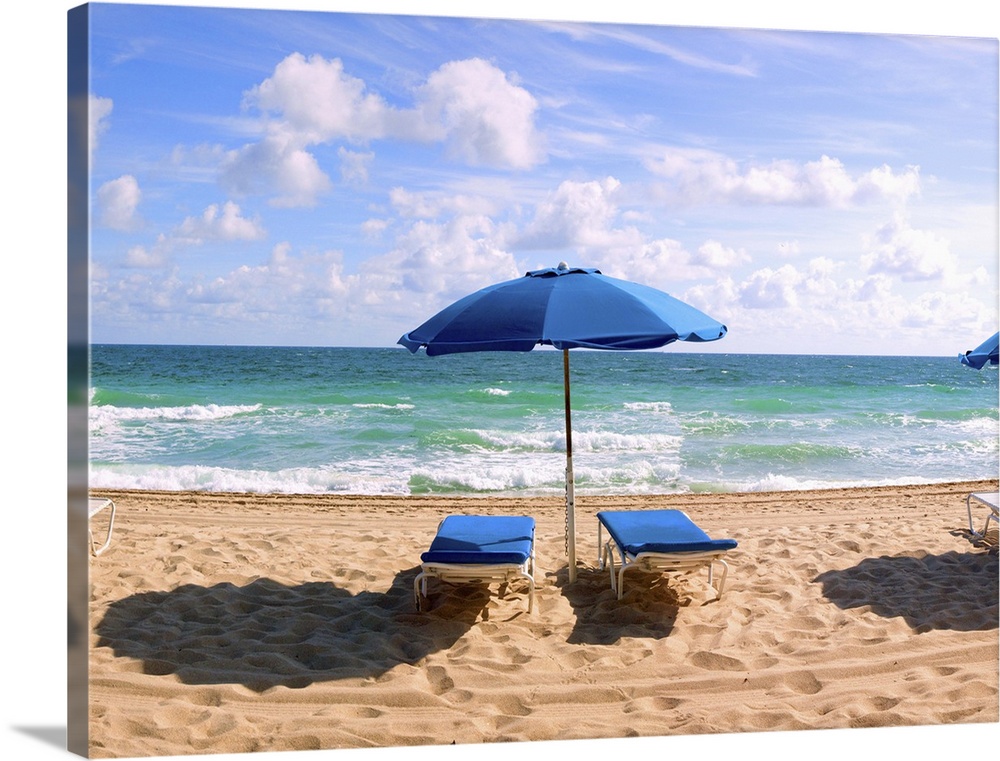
x=223 y=623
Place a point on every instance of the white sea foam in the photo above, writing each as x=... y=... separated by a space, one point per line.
x=603 y=441
x=205 y=478
x=382 y=406
x=532 y=474
x=496 y=391
x=655 y=407
x=524 y=476
x=583 y=441
x=773 y=482
x=104 y=415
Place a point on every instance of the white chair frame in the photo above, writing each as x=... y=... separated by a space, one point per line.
x=660 y=562
x=95 y=506
x=992 y=501
x=463 y=573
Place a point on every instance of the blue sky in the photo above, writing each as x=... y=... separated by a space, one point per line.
x=310 y=178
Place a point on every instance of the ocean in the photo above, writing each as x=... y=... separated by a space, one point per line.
x=384 y=421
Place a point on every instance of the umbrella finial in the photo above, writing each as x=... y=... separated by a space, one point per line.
x=562 y=266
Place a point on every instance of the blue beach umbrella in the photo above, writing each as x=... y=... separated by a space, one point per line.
x=566 y=308
x=985 y=353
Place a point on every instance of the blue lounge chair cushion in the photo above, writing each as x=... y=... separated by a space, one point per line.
x=636 y=531
x=482 y=539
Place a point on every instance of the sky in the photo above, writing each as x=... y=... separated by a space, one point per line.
x=317 y=178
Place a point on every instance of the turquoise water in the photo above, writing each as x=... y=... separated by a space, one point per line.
x=384 y=421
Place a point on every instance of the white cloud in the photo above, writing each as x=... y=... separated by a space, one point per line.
x=427 y=205
x=659 y=263
x=142 y=257
x=98 y=111
x=876 y=288
x=441 y=262
x=700 y=176
x=318 y=101
x=277 y=167
x=664 y=262
x=882 y=182
x=716 y=256
x=482 y=116
x=305 y=102
x=936 y=309
x=215 y=224
x=472 y=107
x=373 y=228
x=354 y=166
x=285 y=284
x=117 y=201
x=793 y=310
x=584 y=217
x=313 y=293
x=897 y=249
x=579 y=215
x=771 y=289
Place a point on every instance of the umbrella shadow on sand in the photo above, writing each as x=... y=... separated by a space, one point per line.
x=949 y=591
x=266 y=634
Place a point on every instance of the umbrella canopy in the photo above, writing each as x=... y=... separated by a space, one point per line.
x=985 y=353
x=567 y=308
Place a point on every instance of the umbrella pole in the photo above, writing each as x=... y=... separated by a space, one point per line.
x=570 y=498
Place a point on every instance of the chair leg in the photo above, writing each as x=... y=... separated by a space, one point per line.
x=990 y=516
x=722 y=579
x=609 y=559
x=419 y=591
x=95 y=550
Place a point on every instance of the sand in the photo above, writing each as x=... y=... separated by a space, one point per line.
x=223 y=623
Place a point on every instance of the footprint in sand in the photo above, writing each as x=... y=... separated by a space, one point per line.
x=717 y=662
x=511 y=705
x=764 y=662
x=361 y=712
x=651 y=705
x=439 y=680
x=883 y=703
x=804 y=683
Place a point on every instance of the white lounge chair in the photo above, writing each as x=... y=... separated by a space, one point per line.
x=95 y=506
x=659 y=541
x=992 y=502
x=481 y=549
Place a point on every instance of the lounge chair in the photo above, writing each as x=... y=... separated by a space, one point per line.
x=96 y=505
x=481 y=549
x=659 y=541
x=992 y=502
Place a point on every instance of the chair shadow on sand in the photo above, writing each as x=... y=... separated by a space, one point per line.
x=949 y=591
x=648 y=610
x=266 y=634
